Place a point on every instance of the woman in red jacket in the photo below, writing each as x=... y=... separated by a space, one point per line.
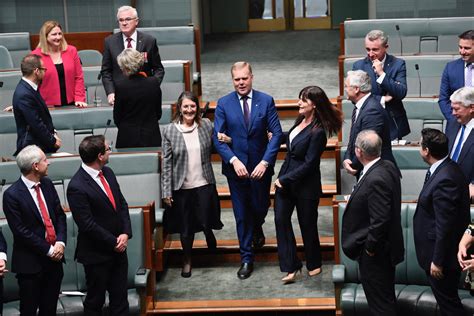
x=63 y=83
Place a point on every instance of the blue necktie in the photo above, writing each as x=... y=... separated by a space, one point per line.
x=457 y=150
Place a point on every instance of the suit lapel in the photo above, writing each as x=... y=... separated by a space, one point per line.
x=302 y=135
x=361 y=182
x=238 y=113
x=466 y=147
x=139 y=42
x=254 y=108
x=441 y=166
x=26 y=193
x=88 y=179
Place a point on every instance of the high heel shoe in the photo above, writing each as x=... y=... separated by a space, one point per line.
x=315 y=272
x=291 y=277
x=186 y=271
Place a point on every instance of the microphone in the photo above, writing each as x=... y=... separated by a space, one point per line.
x=419 y=78
x=2 y=184
x=107 y=126
x=99 y=76
x=400 y=38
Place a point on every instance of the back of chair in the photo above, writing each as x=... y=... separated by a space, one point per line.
x=5 y=58
x=90 y=57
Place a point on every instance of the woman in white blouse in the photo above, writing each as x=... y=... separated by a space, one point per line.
x=188 y=184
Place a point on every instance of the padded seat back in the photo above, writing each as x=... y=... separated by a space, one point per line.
x=5 y=58
x=10 y=80
x=90 y=57
x=18 y=44
x=10 y=285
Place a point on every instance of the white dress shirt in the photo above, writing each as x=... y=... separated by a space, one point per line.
x=133 y=42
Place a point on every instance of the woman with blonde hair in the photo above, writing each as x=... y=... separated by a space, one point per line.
x=63 y=82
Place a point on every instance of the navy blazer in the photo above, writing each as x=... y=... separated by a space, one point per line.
x=34 y=124
x=300 y=174
x=113 y=46
x=442 y=214
x=395 y=84
x=372 y=219
x=466 y=157
x=250 y=145
x=452 y=79
x=30 y=247
x=98 y=222
x=371 y=116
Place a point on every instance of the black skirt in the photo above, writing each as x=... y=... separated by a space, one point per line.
x=193 y=210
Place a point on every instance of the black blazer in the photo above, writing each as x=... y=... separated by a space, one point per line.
x=137 y=110
x=372 y=219
x=442 y=214
x=98 y=222
x=466 y=157
x=30 y=247
x=113 y=46
x=371 y=116
x=300 y=175
x=34 y=124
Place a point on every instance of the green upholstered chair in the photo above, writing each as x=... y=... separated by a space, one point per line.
x=18 y=44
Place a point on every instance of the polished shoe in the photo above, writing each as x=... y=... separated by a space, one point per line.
x=315 y=272
x=291 y=277
x=245 y=270
x=258 y=240
x=186 y=271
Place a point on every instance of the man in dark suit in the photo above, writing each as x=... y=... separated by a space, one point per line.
x=457 y=73
x=388 y=78
x=442 y=214
x=38 y=225
x=367 y=114
x=101 y=214
x=371 y=225
x=33 y=121
x=460 y=134
x=129 y=37
x=3 y=266
x=246 y=116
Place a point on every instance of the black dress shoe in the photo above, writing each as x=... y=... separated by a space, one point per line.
x=186 y=271
x=245 y=270
x=258 y=240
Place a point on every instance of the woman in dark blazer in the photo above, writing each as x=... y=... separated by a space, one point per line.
x=299 y=181
x=188 y=184
x=137 y=104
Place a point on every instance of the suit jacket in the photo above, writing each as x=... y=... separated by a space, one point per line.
x=98 y=222
x=371 y=116
x=442 y=214
x=175 y=157
x=452 y=79
x=372 y=219
x=34 y=124
x=137 y=110
x=395 y=84
x=30 y=247
x=73 y=76
x=300 y=175
x=113 y=46
x=249 y=144
x=466 y=157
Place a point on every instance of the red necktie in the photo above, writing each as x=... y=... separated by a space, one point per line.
x=107 y=189
x=50 y=234
x=129 y=40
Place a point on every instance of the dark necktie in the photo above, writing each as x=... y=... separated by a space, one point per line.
x=350 y=145
x=129 y=40
x=468 y=82
x=457 y=150
x=107 y=189
x=246 y=110
x=427 y=177
x=50 y=233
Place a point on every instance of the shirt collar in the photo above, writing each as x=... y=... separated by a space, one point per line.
x=31 y=83
x=29 y=184
x=367 y=167
x=436 y=165
x=470 y=124
x=361 y=101
x=249 y=96
x=91 y=171
x=133 y=36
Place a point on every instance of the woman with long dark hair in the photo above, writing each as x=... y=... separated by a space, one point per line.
x=299 y=181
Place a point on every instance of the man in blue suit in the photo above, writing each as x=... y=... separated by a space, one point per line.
x=460 y=133
x=388 y=78
x=367 y=114
x=33 y=121
x=247 y=116
x=38 y=225
x=457 y=74
x=442 y=214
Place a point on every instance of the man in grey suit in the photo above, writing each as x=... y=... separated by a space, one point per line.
x=128 y=37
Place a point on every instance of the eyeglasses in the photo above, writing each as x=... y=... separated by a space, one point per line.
x=108 y=149
x=42 y=68
x=126 y=20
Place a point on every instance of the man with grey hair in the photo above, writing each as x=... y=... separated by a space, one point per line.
x=129 y=37
x=371 y=224
x=388 y=76
x=460 y=134
x=367 y=114
x=38 y=224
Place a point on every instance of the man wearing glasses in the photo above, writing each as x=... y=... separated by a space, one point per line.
x=129 y=37
x=33 y=121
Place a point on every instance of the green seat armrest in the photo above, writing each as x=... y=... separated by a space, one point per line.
x=338 y=273
x=141 y=279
